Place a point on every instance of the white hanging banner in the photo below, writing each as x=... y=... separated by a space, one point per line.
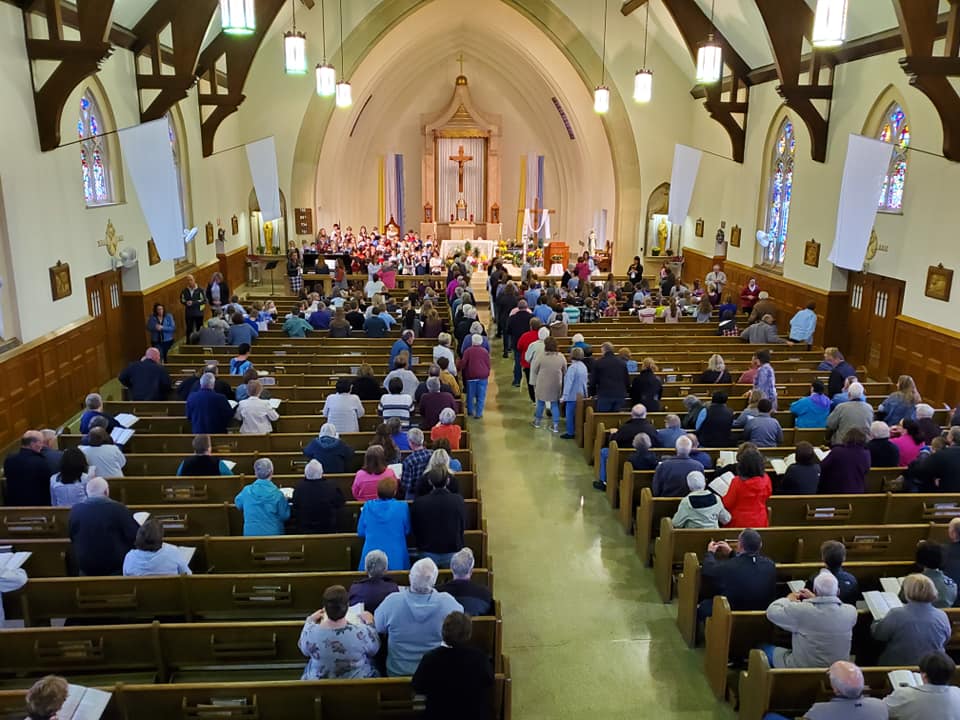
x=686 y=165
x=864 y=171
x=262 y=156
x=149 y=159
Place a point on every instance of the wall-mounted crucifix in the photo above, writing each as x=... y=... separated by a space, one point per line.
x=460 y=159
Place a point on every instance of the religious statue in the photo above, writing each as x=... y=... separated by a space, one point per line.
x=662 y=232
x=592 y=241
x=268 y=235
x=111 y=241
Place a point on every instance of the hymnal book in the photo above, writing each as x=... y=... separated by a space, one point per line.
x=274 y=402
x=186 y=553
x=904 y=678
x=126 y=419
x=121 y=436
x=779 y=466
x=796 y=585
x=230 y=464
x=287 y=492
x=12 y=560
x=891 y=585
x=726 y=457
x=84 y=703
x=720 y=485
x=397 y=469
x=233 y=404
x=821 y=454
x=880 y=603
x=141 y=517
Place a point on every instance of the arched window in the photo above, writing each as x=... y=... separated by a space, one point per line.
x=94 y=153
x=779 y=194
x=895 y=129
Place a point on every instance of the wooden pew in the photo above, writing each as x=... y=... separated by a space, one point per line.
x=266 y=650
x=791 y=544
x=282 y=553
x=185 y=490
x=195 y=598
x=867 y=572
x=369 y=699
x=221 y=519
x=867 y=509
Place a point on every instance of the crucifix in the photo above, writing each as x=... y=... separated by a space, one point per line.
x=460 y=159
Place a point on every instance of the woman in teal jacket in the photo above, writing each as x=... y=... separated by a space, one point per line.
x=264 y=507
x=384 y=524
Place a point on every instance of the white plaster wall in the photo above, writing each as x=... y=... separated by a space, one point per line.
x=922 y=236
x=43 y=199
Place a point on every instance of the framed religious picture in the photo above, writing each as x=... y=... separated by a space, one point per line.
x=60 y=286
x=735 y=236
x=234 y=225
x=152 y=252
x=428 y=212
x=939 y=282
x=811 y=253
x=698 y=230
x=209 y=233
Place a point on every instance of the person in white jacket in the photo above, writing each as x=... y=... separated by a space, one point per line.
x=344 y=409
x=255 y=413
x=10 y=580
x=702 y=508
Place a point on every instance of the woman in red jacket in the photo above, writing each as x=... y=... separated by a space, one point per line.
x=475 y=367
x=746 y=500
x=749 y=296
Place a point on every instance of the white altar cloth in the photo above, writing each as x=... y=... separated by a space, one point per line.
x=448 y=248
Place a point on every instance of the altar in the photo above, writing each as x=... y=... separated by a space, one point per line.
x=449 y=248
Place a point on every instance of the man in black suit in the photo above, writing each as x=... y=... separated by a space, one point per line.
x=147 y=379
x=27 y=473
x=438 y=520
x=102 y=531
x=476 y=599
x=747 y=578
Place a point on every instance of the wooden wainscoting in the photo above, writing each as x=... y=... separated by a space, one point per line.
x=45 y=380
x=138 y=304
x=233 y=267
x=790 y=296
x=931 y=355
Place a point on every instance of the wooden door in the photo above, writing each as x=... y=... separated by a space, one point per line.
x=103 y=303
x=875 y=302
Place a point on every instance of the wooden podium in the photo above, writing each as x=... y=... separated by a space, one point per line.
x=556 y=248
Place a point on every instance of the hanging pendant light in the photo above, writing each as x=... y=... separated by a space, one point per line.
x=601 y=95
x=344 y=92
x=709 y=58
x=237 y=18
x=294 y=48
x=326 y=75
x=830 y=24
x=643 y=80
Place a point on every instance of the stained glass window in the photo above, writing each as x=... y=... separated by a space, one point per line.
x=94 y=157
x=895 y=130
x=779 y=197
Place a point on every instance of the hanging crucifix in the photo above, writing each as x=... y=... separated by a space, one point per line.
x=460 y=159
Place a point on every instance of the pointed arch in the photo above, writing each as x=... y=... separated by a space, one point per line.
x=889 y=120
x=100 y=162
x=777 y=194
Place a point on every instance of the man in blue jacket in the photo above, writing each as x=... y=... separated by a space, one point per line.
x=209 y=412
x=147 y=379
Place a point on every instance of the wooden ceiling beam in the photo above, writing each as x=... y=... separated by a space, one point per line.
x=931 y=71
x=238 y=52
x=787 y=23
x=76 y=59
x=727 y=103
x=630 y=5
x=188 y=24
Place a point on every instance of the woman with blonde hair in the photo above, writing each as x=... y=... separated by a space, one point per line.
x=716 y=372
x=751 y=410
x=917 y=628
x=902 y=404
x=254 y=413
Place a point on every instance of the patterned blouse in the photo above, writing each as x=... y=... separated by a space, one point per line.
x=766 y=382
x=339 y=653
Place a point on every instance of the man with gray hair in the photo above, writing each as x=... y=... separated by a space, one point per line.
x=822 y=625
x=701 y=508
x=762 y=332
x=316 y=502
x=848 y=702
x=405 y=343
x=93 y=407
x=412 y=619
x=476 y=599
x=670 y=477
x=101 y=530
x=929 y=429
x=414 y=464
x=854 y=413
x=476 y=328
x=671 y=431
x=637 y=423
x=376 y=585
x=264 y=507
x=433 y=402
x=209 y=412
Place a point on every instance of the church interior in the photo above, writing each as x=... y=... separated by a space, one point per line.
x=811 y=147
